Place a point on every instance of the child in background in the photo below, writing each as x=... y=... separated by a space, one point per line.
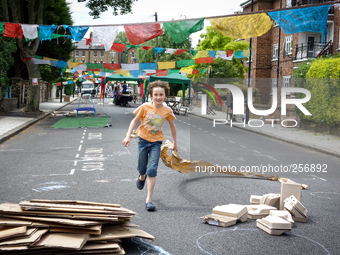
x=152 y=116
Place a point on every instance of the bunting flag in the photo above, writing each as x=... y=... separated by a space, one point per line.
x=45 y=32
x=144 y=66
x=137 y=34
x=77 y=32
x=310 y=19
x=105 y=35
x=73 y=64
x=62 y=64
x=30 y=31
x=166 y=65
x=230 y=53
x=195 y=71
x=12 y=30
x=179 y=52
x=130 y=66
x=181 y=30
x=159 y=50
x=147 y=47
x=171 y=71
x=123 y=72
x=193 y=52
x=1 y=28
x=204 y=60
x=110 y=67
x=238 y=54
x=202 y=54
x=88 y=41
x=26 y=59
x=119 y=47
x=212 y=53
x=244 y=26
x=161 y=72
x=170 y=51
x=187 y=71
x=94 y=67
x=38 y=61
x=136 y=73
x=185 y=63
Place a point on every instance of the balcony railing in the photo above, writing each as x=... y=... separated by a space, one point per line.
x=308 y=2
x=309 y=50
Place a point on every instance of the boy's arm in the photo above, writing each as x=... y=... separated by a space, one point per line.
x=126 y=141
x=174 y=134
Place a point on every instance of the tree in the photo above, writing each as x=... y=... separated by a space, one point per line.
x=7 y=48
x=32 y=12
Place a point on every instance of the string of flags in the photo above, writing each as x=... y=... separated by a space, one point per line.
x=312 y=19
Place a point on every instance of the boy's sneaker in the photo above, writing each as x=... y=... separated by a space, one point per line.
x=150 y=206
x=140 y=184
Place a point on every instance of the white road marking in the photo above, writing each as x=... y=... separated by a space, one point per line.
x=95 y=136
x=231 y=141
x=222 y=137
x=79 y=149
x=256 y=151
x=319 y=178
x=243 y=146
x=75 y=163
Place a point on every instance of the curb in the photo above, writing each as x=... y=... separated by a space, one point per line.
x=318 y=149
x=22 y=127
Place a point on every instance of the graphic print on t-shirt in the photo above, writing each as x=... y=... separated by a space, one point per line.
x=154 y=122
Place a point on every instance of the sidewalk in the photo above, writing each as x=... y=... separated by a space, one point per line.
x=324 y=143
x=13 y=122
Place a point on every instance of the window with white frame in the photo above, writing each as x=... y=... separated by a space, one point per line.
x=275 y=51
x=95 y=54
x=83 y=53
x=275 y=24
x=288 y=44
x=286 y=81
x=77 y=53
x=102 y=54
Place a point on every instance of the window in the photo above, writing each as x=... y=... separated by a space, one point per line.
x=102 y=54
x=275 y=23
x=275 y=51
x=288 y=3
x=77 y=53
x=286 y=81
x=95 y=54
x=83 y=54
x=132 y=54
x=288 y=45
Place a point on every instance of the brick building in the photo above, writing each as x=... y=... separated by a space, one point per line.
x=294 y=48
x=97 y=54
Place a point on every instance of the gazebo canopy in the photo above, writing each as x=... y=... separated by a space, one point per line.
x=120 y=77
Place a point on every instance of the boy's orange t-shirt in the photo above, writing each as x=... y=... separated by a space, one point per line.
x=152 y=119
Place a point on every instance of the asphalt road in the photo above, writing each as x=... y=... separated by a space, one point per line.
x=92 y=164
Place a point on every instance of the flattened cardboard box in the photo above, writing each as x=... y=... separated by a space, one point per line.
x=30 y=240
x=231 y=210
x=110 y=232
x=8 y=232
x=63 y=240
x=273 y=225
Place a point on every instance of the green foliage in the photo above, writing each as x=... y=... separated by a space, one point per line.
x=55 y=12
x=321 y=78
x=122 y=38
x=213 y=40
x=7 y=48
x=98 y=6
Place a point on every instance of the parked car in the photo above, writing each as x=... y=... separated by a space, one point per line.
x=88 y=88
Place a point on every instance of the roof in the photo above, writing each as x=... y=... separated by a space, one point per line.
x=171 y=78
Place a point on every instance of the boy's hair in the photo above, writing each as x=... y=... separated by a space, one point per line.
x=160 y=84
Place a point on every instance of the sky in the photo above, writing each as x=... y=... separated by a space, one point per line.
x=144 y=11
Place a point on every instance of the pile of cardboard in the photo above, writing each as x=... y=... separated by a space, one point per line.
x=274 y=213
x=65 y=227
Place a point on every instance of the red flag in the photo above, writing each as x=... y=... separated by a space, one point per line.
x=138 y=34
x=141 y=90
x=230 y=53
x=26 y=59
x=58 y=83
x=151 y=73
x=196 y=71
x=179 y=52
x=204 y=60
x=111 y=66
x=162 y=72
x=119 y=47
x=147 y=47
x=12 y=30
x=88 y=41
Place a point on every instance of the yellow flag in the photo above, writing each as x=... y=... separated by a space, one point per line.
x=50 y=58
x=73 y=64
x=188 y=71
x=202 y=54
x=123 y=72
x=244 y=26
x=166 y=65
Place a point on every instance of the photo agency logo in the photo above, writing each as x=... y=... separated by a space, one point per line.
x=238 y=104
